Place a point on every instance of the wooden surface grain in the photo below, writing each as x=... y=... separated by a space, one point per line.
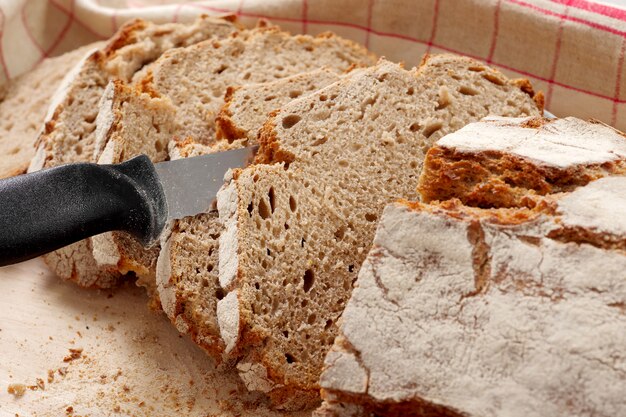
x=133 y=361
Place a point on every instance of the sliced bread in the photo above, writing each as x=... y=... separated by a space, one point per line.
x=24 y=106
x=247 y=107
x=197 y=77
x=131 y=123
x=506 y=162
x=69 y=131
x=297 y=230
x=462 y=311
x=229 y=62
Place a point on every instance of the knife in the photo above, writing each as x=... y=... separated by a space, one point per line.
x=52 y=208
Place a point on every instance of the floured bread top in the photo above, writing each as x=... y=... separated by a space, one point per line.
x=500 y=162
x=463 y=311
x=558 y=142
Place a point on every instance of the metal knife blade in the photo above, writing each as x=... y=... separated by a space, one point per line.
x=191 y=184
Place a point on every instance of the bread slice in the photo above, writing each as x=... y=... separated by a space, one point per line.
x=247 y=107
x=131 y=123
x=462 y=311
x=196 y=78
x=69 y=132
x=505 y=162
x=24 y=105
x=295 y=53
x=296 y=231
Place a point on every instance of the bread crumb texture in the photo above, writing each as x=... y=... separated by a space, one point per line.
x=299 y=223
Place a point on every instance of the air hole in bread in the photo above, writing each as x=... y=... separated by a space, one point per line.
x=219 y=293
x=343 y=163
x=290 y=121
x=247 y=76
x=289 y=358
x=432 y=128
x=295 y=94
x=78 y=149
x=413 y=164
x=350 y=268
x=250 y=207
x=280 y=68
x=286 y=334
x=311 y=319
x=371 y=217
x=14 y=151
x=476 y=68
x=268 y=251
x=286 y=226
x=467 y=90
x=158 y=146
x=292 y=204
x=221 y=69
x=410 y=91
x=415 y=127
x=340 y=233
x=269 y=98
x=257 y=285
x=271 y=195
x=493 y=78
x=304 y=303
x=329 y=323
x=323 y=97
x=90 y=118
x=308 y=280
x=320 y=141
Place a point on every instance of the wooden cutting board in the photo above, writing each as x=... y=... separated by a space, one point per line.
x=126 y=360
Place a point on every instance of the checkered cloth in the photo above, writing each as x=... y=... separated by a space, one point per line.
x=573 y=50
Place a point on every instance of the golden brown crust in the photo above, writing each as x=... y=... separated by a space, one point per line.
x=125 y=35
x=415 y=407
x=225 y=126
x=495 y=179
x=269 y=148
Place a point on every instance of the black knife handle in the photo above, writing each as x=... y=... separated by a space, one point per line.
x=49 y=209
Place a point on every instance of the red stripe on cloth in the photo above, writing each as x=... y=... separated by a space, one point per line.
x=177 y=12
x=66 y=28
x=596 y=8
x=555 y=58
x=571 y=18
x=370 y=8
x=409 y=39
x=78 y=21
x=5 y=70
x=618 y=82
x=433 y=31
x=494 y=34
x=240 y=8
x=305 y=10
x=31 y=36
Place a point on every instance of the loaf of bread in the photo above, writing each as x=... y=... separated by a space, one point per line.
x=69 y=132
x=506 y=162
x=463 y=311
x=300 y=222
x=23 y=107
x=179 y=81
x=247 y=107
x=515 y=311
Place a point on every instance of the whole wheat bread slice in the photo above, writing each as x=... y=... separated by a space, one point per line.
x=461 y=311
x=507 y=162
x=24 y=106
x=247 y=107
x=227 y=60
x=69 y=132
x=297 y=231
x=196 y=78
